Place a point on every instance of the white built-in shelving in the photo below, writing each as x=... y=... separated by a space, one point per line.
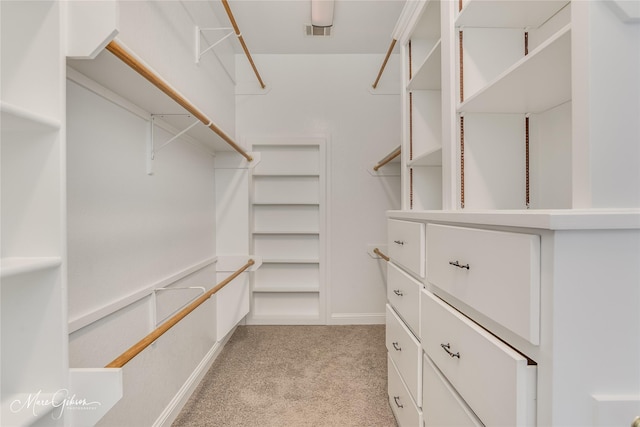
x=514 y=89
x=422 y=113
x=287 y=223
x=521 y=116
x=32 y=264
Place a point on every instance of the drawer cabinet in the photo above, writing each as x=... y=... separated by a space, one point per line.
x=441 y=404
x=497 y=382
x=404 y=408
x=405 y=351
x=403 y=293
x=497 y=273
x=406 y=245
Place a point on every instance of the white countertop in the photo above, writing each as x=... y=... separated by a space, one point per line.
x=557 y=219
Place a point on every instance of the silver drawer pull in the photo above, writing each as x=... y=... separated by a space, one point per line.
x=457 y=264
x=395 y=399
x=397 y=346
x=399 y=242
x=447 y=347
x=398 y=292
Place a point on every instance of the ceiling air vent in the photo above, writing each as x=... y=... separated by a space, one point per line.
x=313 y=31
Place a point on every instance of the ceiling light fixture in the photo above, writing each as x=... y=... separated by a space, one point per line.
x=322 y=13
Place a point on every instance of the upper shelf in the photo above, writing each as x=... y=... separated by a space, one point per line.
x=428 y=75
x=538 y=82
x=508 y=14
x=114 y=75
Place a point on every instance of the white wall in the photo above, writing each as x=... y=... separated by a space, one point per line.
x=329 y=95
x=128 y=232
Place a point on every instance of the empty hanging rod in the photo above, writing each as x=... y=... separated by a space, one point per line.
x=128 y=58
x=145 y=342
x=227 y=8
x=380 y=254
x=395 y=153
x=384 y=63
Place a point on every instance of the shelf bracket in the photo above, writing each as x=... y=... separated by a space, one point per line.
x=152 y=150
x=154 y=313
x=199 y=32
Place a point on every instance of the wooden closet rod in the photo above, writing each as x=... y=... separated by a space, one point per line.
x=137 y=348
x=395 y=153
x=384 y=63
x=225 y=3
x=121 y=53
x=380 y=254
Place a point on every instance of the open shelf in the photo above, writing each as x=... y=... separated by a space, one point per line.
x=429 y=158
x=295 y=232
x=287 y=289
x=428 y=74
x=16 y=119
x=290 y=261
x=508 y=14
x=536 y=83
x=12 y=266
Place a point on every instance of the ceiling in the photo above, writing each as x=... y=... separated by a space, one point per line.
x=277 y=26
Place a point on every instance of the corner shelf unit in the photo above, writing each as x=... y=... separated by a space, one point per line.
x=287 y=223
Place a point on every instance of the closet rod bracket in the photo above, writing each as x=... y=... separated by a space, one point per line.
x=199 y=33
x=151 y=146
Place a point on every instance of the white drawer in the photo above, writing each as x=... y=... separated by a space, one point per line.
x=497 y=382
x=405 y=351
x=441 y=404
x=404 y=408
x=403 y=293
x=497 y=273
x=406 y=244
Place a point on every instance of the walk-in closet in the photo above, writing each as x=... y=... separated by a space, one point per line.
x=332 y=213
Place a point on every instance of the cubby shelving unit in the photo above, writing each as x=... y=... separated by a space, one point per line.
x=517 y=124
x=513 y=69
x=32 y=264
x=287 y=199
x=422 y=100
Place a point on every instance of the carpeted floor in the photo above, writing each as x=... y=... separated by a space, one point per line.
x=281 y=376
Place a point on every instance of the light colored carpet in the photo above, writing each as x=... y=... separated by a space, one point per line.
x=280 y=376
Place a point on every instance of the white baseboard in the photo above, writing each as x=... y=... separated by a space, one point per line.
x=171 y=412
x=357 y=319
